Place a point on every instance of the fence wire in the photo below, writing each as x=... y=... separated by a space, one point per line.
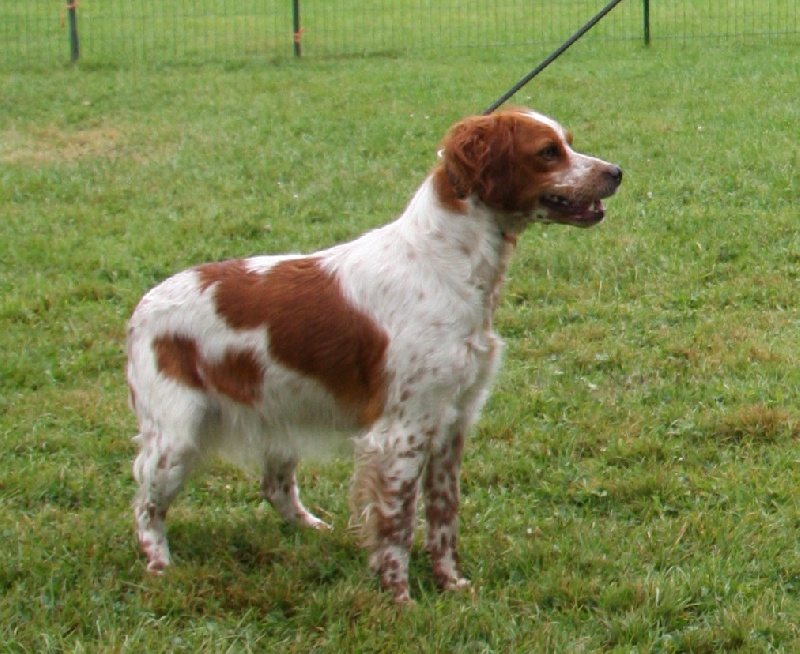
x=123 y=31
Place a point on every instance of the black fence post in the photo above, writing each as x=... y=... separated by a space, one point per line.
x=75 y=51
x=647 y=22
x=297 y=28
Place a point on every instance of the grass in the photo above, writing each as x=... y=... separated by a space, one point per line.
x=34 y=33
x=632 y=484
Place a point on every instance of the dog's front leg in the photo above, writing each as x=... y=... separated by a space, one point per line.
x=441 y=510
x=385 y=494
x=395 y=523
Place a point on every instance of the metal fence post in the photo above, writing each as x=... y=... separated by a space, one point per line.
x=297 y=28
x=75 y=51
x=647 y=22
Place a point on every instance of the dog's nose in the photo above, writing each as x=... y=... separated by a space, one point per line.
x=614 y=173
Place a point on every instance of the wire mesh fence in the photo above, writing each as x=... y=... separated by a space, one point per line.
x=38 y=31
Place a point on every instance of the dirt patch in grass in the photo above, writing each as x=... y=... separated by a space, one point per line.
x=755 y=424
x=51 y=144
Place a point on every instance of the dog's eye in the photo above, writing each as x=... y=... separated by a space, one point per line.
x=550 y=153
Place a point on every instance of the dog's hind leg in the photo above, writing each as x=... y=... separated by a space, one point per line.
x=160 y=469
x=279 y=488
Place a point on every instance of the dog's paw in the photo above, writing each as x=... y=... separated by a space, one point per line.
x=459 y=585
x=313 y=522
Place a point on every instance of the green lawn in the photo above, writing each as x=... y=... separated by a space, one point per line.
x=34 y=33
x=633 y=483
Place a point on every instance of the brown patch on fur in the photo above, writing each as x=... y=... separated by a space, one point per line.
x=239 y=374
x=312 y=327
x=502 y=159
x=177 y=358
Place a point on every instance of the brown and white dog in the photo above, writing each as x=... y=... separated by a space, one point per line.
x=387 y=340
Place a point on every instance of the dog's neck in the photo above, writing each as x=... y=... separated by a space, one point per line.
x=473 y=248
x=507 y=249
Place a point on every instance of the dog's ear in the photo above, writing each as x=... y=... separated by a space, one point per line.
x=478 y=158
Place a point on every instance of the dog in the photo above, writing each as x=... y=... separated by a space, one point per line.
x=386 y=340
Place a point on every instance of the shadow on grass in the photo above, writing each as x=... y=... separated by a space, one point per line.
x=265 y=565
x=256 y=545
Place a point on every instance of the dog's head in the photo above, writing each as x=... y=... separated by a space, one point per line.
x=522 y=163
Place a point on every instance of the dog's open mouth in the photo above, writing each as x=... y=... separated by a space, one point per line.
x=573 y=212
